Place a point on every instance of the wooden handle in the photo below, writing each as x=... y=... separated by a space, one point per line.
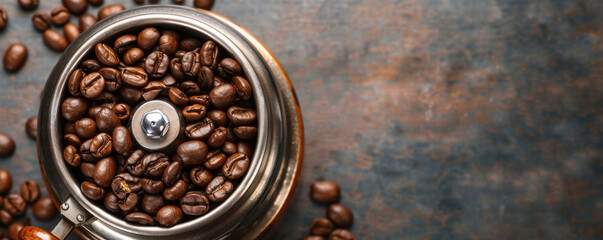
x=35 y=233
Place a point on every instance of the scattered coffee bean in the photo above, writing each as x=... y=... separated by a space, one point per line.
x=30 y=191
x=340 y=215
x=204 y=4
x=28 y=4
x=44 y=209
x=95 y=2
x=341 y=234
x=5 y=181
x=31 y=127
x=3 y=17
x=321 y=227
x=71 y=32
x=76 y=6
x=325 y=192
x=92 y=191
x=55 y=40
x=14 y=229
x=7 y=145
x=86 y=21
x=41 y=21
x=5 y=217
x=15 y=57
x=109 y=10
x=169 y=215
x=14 y=204
x=60 y=15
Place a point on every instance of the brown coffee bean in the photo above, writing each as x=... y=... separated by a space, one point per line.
x=91 y=65
x=218 y=137
x=200 y=130
x=122 y=141
x=44 y=209
x=231 y=66
x=71 y=32
x=3 y=17
x=54 y=40
x=105 y=171
x=176 y=191
x=341 y=234
x=229 y=148
x=87 y=169
x=192 y=152
x=176 y=69
x=177 y=96
x=110 y=201
x=156 y=64
x=72 y=158
x=124 y=43
x=101 y=145
x=189 y=44
x=106 y=120
x=205 y=78
x=168 y=44
x=92 y=85
x=151 y=203
x=219 y=117
x=246 y=148
x=204 y=4
x=112 y=79
x=194 y=203
x=41 y=21
x=86 y=21
x=60 y=15
x=7 y=145
x=31 y=127
x=124 y=183
x=209 y=54
x=154 y=164
x=72 y=139
x=171 y=174
x=14 y=204
x=148 y=38
x=134 y=162
x=5 y=217
x=130 y=94
x=76 y=6
x=95 y=2
x=128 y=203
x=106 y=55
x=245 y=132
x=73 y=84
x=200 y=176
x=194 y=112
x=201 y=99
x=235 y=166
x=133 y=56
x=14 y=229
x=325 y=192
x=222 y=96
x=135 y=76
x=5 y=181
x=215 y=160
x=30 y=191
x=140 y=218
x=321 y=227
x=219 y=189
x=340 y=215
x=191 y=63
x=122 y=111
x=109 y=10
x=85 y=128
x=169 y=215
x=242 y=86
x=190 y=88
x=73 y=108
x=69 y=127
x=152 y=186
x=28 y=4
x=15 y=57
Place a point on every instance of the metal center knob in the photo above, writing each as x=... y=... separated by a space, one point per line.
x=155 y=124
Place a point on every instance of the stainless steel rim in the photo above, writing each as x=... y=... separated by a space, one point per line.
x=276 y=162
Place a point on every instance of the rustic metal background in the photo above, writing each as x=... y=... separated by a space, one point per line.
x=440 y=119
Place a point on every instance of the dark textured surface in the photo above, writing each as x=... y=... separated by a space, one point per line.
x=440 y=119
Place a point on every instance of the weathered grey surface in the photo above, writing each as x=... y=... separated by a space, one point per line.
x=441 y=119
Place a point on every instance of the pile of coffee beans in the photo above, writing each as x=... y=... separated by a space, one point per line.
x=15 y=205
x=216 y=102
x=338 y=215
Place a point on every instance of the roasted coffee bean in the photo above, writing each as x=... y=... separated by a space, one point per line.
x=241 y=116
x=41 y=21
x=201 y=99
x=218 y=81
x=112 y=78
x=135 y=76
x=74 y=108
x=28 y=4
x=219 y=189
x=190 y=88
x=204 y=4
x=321 y=227
x=151 y=203
x=219 y=117
x=168 y=44
x=73 y=84
x=191 y=63
x=106 y=55
x=85 y=128
x=5 y=181
x=169 y=215
x=3 y=17
x=194 y=203
x=76 y=6
x=200 y=176
x=15 y=57
x=134 y=162
x=176 y=191
x=60 y=15
x=124 y=184
x=215 y=160
x=105 y=171
x=325 y=192
x=91 y=65
x=5 y=217
x=122 y=111
x=31 y=127
x=130 y=94
x=200 y=130
x=133 y=56
x=156 y=64
x=205 y=78
x=231 y=66
x=340 y=215
x=246 y=148
x=148 y=38
x=229 y=148
x=313 y=238
x=71 y=32
x=124 y=43
x=140 y=218
x=242 y=86
x=192 y=152
x=14 y=229
x=218 y=137
x=122 y=141
x=106 y=120
x=194 y=112
x=110 y=201
x=109 y=10
x=128 y=203
x=176 y=69
x=341 y=234
x=155 y=163
x=222 y=96
x=152 y=186
x=101 y=145
x=14 y=204
x=69 y=127
x=87 y=169
x=169 y=81
x=177 y=96
x=180 y=53
x=72 y=158
x=172 y=33
x=86 y=153
x=92 y=85
x=95 y=2
x=72 y=139
x=86 y=21
x=209 y=54
x=171 y=174
x=189 y=44
x=30 y=191
x=235 y=166
x=245 y=132
x=44 y=209
x=55 y=40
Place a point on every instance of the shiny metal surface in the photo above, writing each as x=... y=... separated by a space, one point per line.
x=157 y=125
x=263 y=194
